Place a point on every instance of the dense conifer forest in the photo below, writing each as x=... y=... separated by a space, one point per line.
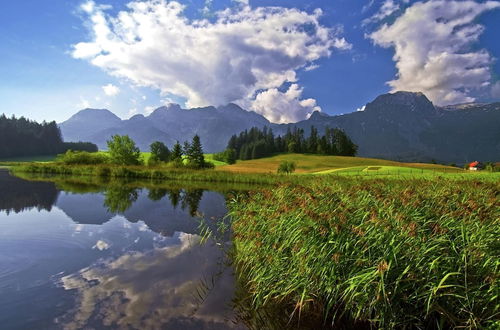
x=20 y=137
x=256 y=143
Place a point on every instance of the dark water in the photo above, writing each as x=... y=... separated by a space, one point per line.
x=111 y=257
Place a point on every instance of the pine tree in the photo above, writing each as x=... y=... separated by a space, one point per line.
x=176 y=155
x=195 y=154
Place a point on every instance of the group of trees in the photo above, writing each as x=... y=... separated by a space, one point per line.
x=22 y=137
x=256 y=143
x=189 y=155
x=122 y=150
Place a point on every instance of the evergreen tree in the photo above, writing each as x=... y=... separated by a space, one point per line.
x=256 y=143
x=22 y=137
x=195 y=154
x=176 y=155
x=312 y=142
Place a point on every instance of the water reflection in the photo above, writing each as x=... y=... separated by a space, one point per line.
x=80 y=255
x=155 y=289
x=17 y=195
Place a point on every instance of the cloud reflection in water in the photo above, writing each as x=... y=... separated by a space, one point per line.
x=154 y=289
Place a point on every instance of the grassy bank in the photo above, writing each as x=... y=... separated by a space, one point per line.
x=92 y=184
x=159 y=173
x=395 y=253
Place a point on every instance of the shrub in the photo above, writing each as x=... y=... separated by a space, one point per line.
x=227 y=156
x=82 y=157
x=286 y=167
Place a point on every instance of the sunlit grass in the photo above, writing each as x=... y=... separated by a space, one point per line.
x=415 y=253
x=307 y=163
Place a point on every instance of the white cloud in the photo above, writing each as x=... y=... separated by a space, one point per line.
x=495 y=90
x=311 y=67
x=101 y=245
x=111 y=90
x=285 y=107
x=433 y=49
x=84 y=103
x=388 y=8
x=243 y=51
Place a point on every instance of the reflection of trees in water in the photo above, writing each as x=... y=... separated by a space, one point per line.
x=191 y=199
x=175 y=196
x=155 y=194
x=120 y=199
x=18 y=195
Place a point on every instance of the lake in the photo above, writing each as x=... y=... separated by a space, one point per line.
x=112 y=256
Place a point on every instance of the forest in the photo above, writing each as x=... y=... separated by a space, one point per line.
x=256 y=143
x=21 y=137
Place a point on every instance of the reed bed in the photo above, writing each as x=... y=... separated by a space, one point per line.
x=394 y=253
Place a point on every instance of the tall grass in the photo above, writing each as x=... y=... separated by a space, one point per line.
x=394 y=253
x=158 y=173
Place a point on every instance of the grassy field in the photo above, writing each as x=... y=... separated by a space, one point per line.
x=392 y=253
x=46 y=158
x=318 y=163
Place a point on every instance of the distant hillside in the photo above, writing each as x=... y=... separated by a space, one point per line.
x=407 y=127
x=402 y=126
x=168 y=124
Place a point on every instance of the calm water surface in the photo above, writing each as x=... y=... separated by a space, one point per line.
x=112 y=257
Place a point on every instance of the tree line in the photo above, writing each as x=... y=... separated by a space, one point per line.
x=20 y=137
x=122 y=150
x=257 y=143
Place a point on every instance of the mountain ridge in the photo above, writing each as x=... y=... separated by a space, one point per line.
x=402 y=126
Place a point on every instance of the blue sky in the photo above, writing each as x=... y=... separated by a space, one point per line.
x=44 y=77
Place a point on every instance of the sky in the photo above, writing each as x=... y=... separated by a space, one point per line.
x=282 y=59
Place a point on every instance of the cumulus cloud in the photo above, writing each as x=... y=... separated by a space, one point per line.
x=111 y=90
x=433 y=49
x=156 y=289
x=284 y=107
x=240 y=52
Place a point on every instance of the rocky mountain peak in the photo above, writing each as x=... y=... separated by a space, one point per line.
x=414 y=102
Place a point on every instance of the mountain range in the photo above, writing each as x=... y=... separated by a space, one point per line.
x=403 y=126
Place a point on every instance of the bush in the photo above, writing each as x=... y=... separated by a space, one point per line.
x=82 y=157
x=151 y=162
x=227 y=156
x=286 y=167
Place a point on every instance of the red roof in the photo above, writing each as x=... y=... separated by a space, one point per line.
x=474 y=164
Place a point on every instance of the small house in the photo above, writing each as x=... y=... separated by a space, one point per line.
x=476 y=166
